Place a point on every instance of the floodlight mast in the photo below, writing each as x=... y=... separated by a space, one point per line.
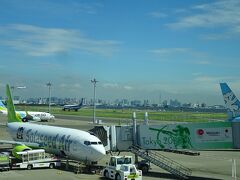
x=49 y=95
x=94 y=81
x=16 y=87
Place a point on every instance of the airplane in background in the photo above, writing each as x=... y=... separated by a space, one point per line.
x=28 y=115
x=74 y=107
x=232 y=103
x=72 y=143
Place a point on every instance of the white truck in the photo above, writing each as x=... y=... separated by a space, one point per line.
x=122 y=168
x=35 y=159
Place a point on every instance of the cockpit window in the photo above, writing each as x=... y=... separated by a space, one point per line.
x=93 y=142
x=87 y=143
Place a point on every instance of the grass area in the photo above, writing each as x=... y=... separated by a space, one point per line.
x=127 y=114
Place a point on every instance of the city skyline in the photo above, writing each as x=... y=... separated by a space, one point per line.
x=135 y=49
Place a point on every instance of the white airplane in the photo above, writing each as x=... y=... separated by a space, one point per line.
x=74 y=107
x=75 y=144
x=28 y=115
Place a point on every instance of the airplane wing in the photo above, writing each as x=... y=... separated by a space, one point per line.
x=19 y=143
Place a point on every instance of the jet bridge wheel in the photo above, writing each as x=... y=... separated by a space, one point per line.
x=144 y=168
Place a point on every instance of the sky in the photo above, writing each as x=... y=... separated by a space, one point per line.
x=136 y=49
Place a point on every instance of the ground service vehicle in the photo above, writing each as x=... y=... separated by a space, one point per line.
x=4 y=162
x=122 y=168
x=35 y=159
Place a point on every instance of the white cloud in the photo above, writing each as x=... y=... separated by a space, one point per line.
x=76 y=85
x=39 y=41
x=157 y=15
x=128 y=87
x=203 y=62
x=187 y=55
x=110 y=85
x=117 y=86
x=167 y=51
x=213 y=79
x=221 y=13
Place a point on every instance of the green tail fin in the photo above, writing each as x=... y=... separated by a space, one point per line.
x=12 y=117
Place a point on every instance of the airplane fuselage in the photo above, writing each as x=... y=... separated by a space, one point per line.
x=73 y=143
x=36 y=116
x=43 y=116
x=71 y=107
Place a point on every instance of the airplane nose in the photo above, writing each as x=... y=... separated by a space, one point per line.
x=100 y=152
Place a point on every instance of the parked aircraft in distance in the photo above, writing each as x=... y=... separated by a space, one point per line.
x=74 y=107
x=232 y=103
x=72 y=143
x=28 y=115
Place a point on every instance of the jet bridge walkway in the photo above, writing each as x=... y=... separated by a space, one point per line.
x=163 y=162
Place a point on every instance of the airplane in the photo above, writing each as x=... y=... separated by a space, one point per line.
x=232 y=103
x=29 y=115
x=74 y=107
x=74 y=144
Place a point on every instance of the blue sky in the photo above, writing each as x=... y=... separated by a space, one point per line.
x=137 y=49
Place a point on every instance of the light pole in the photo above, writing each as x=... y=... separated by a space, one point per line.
x=94 y=81
x=16 y=87
x=49 y=95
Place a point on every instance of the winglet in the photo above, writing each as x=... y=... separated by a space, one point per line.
x=12 y=117
x=231 y=101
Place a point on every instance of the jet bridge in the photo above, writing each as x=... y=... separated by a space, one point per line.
x=175 y=137
x=182 y=138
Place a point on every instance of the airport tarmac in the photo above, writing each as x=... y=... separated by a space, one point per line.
x=209 y=165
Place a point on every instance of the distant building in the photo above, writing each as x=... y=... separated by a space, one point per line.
x=136 y=103
x=146 y=103
x=174 y=103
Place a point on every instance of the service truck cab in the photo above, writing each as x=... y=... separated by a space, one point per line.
x=122 y=168
x=4 y=162
x=35 y=159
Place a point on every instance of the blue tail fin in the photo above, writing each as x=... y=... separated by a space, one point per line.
x=81 y=103
x=231 y=101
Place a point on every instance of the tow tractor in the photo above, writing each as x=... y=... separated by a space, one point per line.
x=122 y=168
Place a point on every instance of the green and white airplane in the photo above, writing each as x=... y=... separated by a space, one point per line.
x=28 y=115
x=75 y=144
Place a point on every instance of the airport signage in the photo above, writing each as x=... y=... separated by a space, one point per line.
x=216 y=135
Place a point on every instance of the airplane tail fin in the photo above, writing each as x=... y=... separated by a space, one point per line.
x=231 y=101
x=12 y=117
x=81 y=103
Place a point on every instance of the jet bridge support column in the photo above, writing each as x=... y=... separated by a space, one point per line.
x=135 y=134
x=146 y=118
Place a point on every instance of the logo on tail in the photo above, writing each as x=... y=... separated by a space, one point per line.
x=231 y=101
